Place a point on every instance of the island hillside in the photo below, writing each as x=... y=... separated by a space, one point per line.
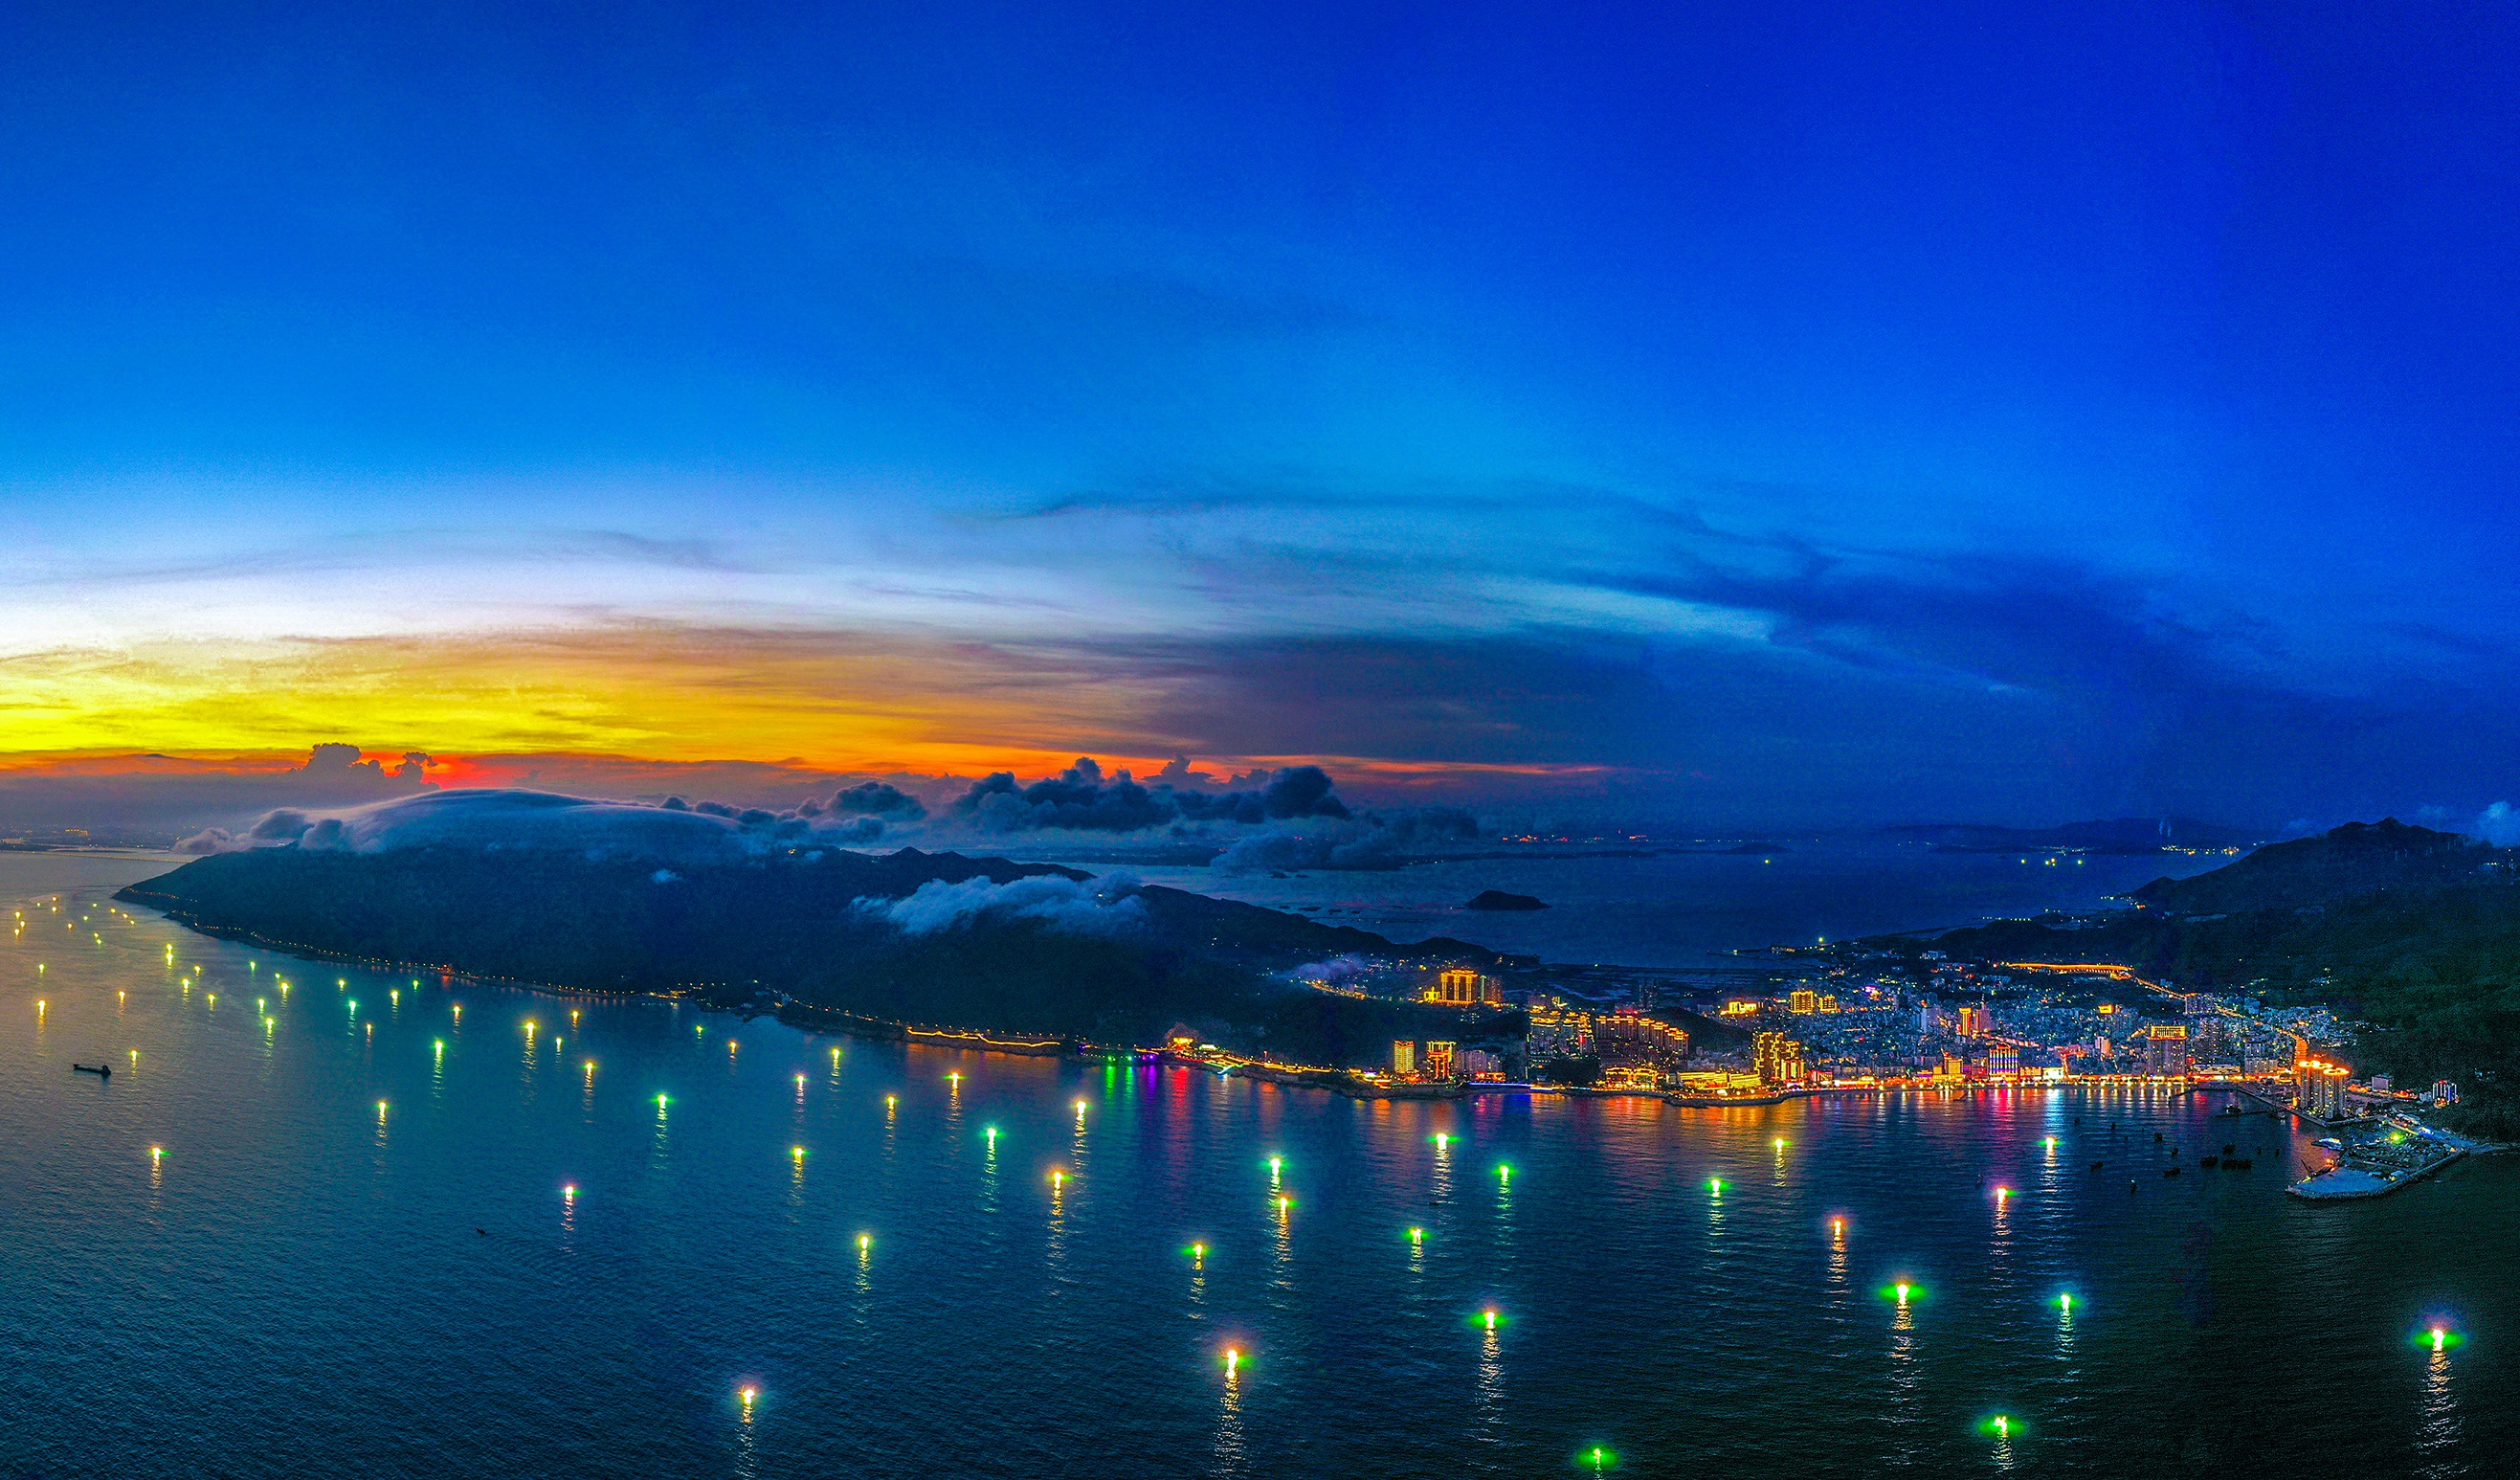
x=2412 y=931
x=927 y=939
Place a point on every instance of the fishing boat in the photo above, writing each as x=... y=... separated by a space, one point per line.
x=100 y=1070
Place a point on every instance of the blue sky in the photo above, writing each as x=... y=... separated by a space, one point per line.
x=1830 y=416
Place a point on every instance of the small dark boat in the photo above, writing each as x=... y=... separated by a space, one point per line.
x=2228 y=1148
x=100 y=1070
x=2095 y=1166
x=2156 y=1138
x=2237 y=1163
x=2170 y=1171
x=2209 y=1161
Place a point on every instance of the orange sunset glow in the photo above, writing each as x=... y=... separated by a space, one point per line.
x=485 y=707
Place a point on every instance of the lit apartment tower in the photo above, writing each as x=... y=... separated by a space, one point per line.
x=1802 y=999
x=1404 y=1057
x=2168 y=1044
x=2319 y=1088
x=1776 y=1058
x=1974 y=1023
x=1439 y=1059
x=1462 y=987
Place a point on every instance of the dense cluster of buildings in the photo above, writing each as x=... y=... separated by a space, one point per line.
x=1948 y=1024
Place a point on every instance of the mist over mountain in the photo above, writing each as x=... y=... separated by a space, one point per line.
x=594 y=895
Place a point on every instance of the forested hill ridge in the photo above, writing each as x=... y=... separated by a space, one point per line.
x=931 y=939
x=2347 y=863
x=2415 y=931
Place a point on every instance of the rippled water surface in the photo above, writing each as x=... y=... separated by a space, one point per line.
x=356 y=1256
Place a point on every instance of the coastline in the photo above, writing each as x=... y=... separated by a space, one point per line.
x=1348 y=1083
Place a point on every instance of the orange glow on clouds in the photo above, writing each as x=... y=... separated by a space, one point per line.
x=631 y=704
x=660 y=692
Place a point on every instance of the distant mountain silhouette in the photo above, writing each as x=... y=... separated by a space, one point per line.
x=2123 y=834
x=2356 y=859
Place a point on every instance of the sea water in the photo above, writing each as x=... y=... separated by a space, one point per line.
x=417 y=1237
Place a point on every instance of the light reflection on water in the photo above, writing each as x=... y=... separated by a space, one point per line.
x=1681 y=1328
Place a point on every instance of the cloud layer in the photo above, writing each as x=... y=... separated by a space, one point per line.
x=1107 y=907
x=1080 y=799
x=673 y=832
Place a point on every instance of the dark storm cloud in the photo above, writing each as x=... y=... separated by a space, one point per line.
x=1871 y=687
x=1081 y=800
x=875 y=799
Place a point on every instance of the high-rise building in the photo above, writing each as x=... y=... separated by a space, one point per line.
x=2319 y=1088
x=1973 y=1020
x=1776 y=1058
x=1802 y=999
x=1462 y=987
x=1478 y=1063
x=1404 y=1057
x=2167 y=1046
x=1439 y=1059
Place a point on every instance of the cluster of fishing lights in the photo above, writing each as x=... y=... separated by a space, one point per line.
x=2439 y=1338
